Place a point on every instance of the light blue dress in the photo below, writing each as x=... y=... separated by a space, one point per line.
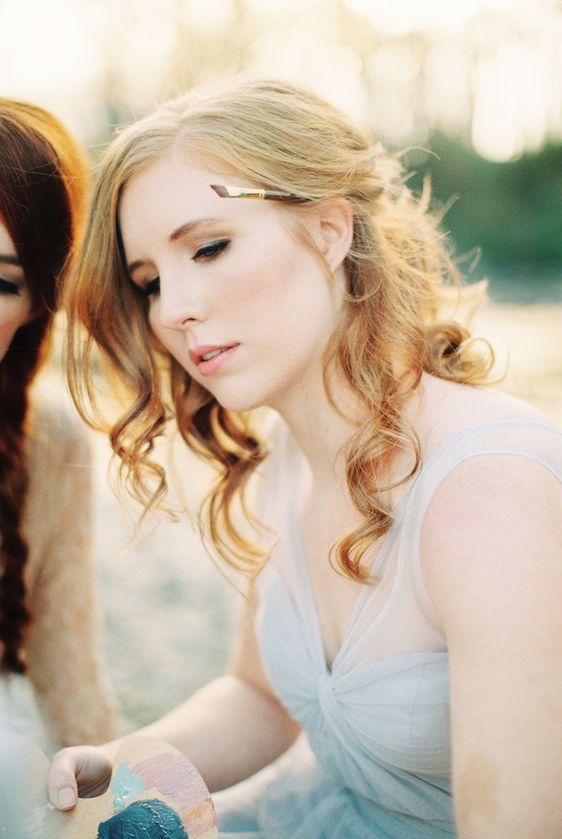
x=377 y=760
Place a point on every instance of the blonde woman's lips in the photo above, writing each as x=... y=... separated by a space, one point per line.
x=210 y=358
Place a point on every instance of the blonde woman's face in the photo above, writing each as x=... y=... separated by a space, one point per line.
x=15 y=299
x=236 y=300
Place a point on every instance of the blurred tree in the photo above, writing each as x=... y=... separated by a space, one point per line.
x=510 y=211
x=412 y=86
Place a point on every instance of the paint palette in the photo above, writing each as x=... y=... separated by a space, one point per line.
x=154 y=791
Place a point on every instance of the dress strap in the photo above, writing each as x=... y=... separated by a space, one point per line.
x=538 y=441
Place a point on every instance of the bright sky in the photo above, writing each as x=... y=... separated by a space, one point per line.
x=53 y=53
x=400 y=16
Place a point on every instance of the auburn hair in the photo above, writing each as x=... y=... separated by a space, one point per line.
x=43 y=179
x=275 y=135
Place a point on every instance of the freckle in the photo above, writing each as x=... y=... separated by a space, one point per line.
x=477 y=790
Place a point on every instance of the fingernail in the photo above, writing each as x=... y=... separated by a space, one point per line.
x=66 y=797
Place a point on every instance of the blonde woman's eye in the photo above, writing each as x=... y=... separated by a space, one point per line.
x=210 y=251
x=150 y=288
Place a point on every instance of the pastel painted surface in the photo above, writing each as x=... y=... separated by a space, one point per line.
x=146 y=771
x=175 y=777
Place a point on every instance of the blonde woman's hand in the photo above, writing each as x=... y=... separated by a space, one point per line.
x=78 y=771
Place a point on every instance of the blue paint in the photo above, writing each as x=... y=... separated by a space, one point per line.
x=150 y=819
x=125 y=784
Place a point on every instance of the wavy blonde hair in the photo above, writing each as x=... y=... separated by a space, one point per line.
x=275 y=135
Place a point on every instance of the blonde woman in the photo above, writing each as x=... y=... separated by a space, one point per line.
x=48 y=629
x=403 y=526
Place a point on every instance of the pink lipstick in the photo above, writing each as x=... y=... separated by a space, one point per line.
x=209 y=358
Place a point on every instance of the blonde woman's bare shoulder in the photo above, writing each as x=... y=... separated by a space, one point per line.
x=444 y=408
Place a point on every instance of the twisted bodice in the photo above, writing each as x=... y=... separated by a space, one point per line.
x=377 y=719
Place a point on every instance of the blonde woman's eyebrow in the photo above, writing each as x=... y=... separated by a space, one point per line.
x=190 y=226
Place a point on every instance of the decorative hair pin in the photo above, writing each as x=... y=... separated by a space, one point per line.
x=241 y=192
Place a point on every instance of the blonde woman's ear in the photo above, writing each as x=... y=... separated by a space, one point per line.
x=335 y=230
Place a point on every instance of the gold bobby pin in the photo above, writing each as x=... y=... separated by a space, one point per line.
x=240 y=192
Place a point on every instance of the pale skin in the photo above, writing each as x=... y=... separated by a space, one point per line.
x=15 y=299
x=492 y=538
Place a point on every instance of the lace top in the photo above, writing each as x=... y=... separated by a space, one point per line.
x=65 y=668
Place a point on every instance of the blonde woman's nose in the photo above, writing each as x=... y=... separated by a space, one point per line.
x=180 y=303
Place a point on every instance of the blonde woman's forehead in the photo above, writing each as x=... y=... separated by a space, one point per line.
x=173 y=196
x=169 y=184
x=177 y=169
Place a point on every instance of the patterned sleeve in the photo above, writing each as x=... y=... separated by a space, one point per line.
x=63 y=646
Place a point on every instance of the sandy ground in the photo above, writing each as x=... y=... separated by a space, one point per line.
x=168 y=611
x=528 y=345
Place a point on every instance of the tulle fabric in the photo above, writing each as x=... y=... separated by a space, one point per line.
x=376 y=760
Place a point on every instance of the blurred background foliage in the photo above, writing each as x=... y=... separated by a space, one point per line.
x=473 y=88
x=505 y=217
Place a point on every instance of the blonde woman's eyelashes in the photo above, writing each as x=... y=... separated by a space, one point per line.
x=210 y=251
x=206 y=253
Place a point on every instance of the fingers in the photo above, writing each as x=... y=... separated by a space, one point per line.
x=83 y=771
x=61 y=781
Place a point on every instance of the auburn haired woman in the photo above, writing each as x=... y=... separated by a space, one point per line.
x=400 y=524
x=47 y=616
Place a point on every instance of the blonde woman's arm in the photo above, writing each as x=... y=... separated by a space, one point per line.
x=229 y=729
x=492 y=559
x=63 y=647
x=235 y=725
